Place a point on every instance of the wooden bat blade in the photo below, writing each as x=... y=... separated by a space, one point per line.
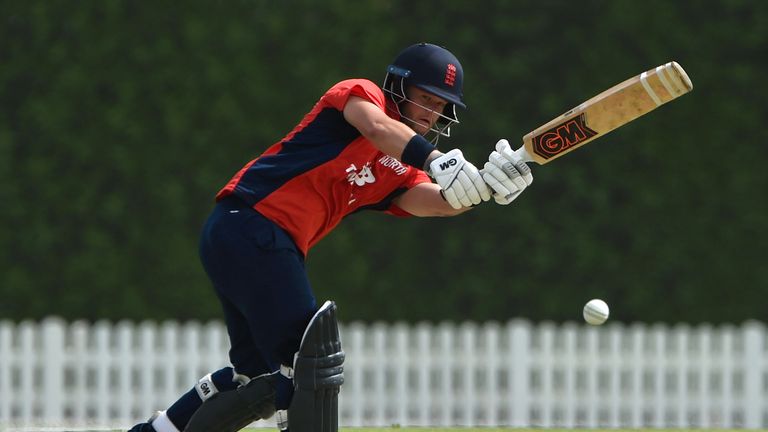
x=605 y=112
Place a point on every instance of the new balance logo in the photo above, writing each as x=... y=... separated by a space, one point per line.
x=360 y=177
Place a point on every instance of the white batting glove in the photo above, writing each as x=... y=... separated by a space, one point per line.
x=506 y=174
x=461 y=182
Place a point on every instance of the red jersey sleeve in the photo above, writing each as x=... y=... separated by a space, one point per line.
x=338 y=95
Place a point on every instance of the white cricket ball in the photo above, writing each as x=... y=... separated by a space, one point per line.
x=596 y=312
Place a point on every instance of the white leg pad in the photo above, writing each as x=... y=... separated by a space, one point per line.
x=162 y=423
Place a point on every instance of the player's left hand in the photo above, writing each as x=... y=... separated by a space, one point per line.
x=506 y=174
x=461 y=182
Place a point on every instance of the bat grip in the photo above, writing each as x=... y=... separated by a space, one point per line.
x=518 y=155
x=522 y=154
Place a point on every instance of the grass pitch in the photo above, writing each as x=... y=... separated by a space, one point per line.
x=495 y=429
x=417 y=429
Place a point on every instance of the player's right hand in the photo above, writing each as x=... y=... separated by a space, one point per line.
x=461 y=182
x=506 y=174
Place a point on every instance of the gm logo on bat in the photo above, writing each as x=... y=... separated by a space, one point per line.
x=560 y=138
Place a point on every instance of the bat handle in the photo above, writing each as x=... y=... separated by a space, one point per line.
x=522 y=154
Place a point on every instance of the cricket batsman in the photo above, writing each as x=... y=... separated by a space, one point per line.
x=361 y=147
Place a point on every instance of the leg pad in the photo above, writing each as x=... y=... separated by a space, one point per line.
x=318 y=370
x=230 y=411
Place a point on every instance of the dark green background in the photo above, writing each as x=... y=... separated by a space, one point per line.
x=119 y=121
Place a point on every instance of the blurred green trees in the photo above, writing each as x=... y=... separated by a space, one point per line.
x=120 y=120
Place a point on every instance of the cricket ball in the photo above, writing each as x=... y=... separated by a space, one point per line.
x=596 y=312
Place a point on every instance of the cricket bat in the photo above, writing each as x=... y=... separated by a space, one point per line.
x=605 y=112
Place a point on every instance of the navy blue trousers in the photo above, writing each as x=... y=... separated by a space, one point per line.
x=259 y=276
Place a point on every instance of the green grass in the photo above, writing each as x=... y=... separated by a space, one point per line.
x=474 y=429
x=494 y=429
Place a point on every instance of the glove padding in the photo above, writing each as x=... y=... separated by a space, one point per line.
x=461 y=182
x=506 y=174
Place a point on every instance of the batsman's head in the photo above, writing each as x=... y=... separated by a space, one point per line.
x=425 y=84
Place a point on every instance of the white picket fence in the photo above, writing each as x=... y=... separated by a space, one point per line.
x=513 y=374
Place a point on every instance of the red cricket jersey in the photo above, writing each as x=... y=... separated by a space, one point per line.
x=323 y=170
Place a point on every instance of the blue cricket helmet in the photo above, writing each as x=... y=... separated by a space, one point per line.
x=431 y=68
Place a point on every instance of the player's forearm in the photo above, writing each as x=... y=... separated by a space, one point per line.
x=436 y=208
x=392 y=137
x=424 y=200
x=387 y=134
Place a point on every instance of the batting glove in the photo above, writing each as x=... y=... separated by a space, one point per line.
x=461 y=182
x=506 y=174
